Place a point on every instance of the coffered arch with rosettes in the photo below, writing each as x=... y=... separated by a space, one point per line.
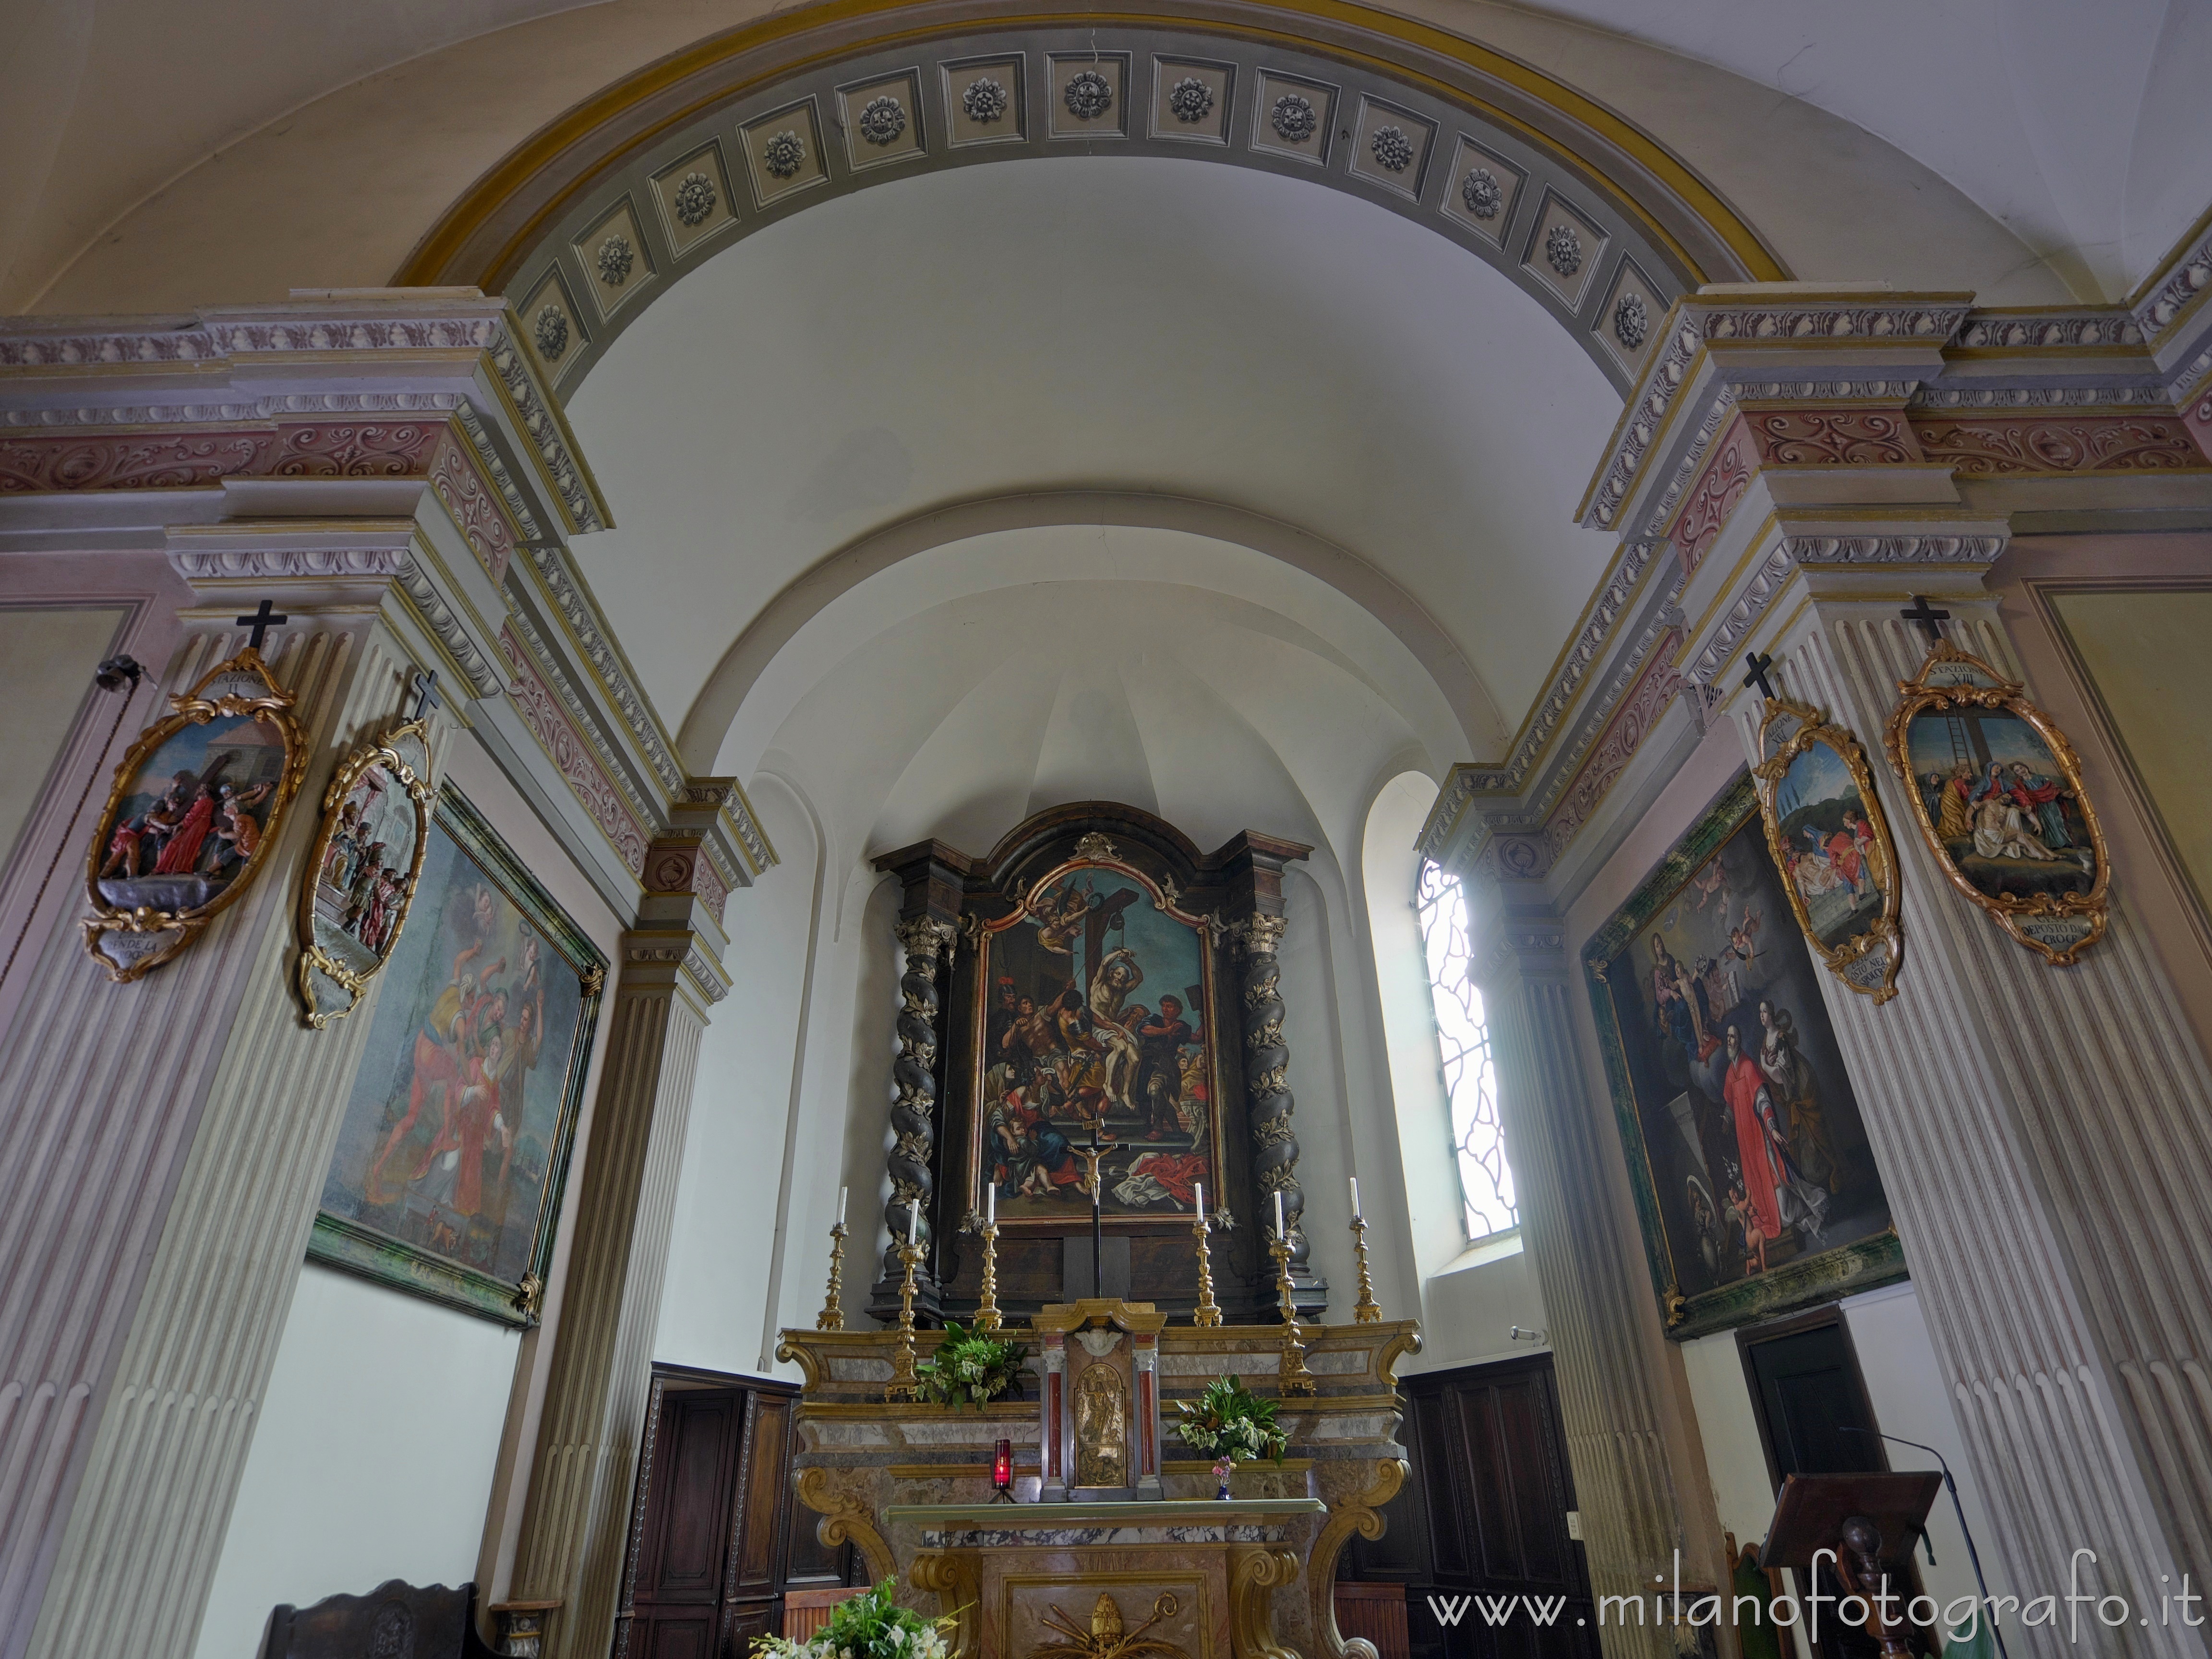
x=587 y=223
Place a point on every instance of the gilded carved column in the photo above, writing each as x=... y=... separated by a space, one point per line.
x=575 y=1525
x=1588 y=1262
x=1268 y=1101
x=928 y=942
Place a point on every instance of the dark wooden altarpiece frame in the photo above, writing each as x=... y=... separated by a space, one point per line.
x=977 y=898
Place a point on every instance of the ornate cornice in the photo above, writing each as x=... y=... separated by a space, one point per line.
x=581 y=717
x=580 y=618
x=575 y=757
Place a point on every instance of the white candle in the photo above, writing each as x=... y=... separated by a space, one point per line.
x=1280 y=1233
x=1198 y=1187
x=842 y=1191
x=991 y=1205
x=912 y=1225
x=1355 y=1198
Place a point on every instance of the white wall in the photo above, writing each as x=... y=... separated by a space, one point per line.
x=388 y=1420
x=721 y=1250
x=372 y=1458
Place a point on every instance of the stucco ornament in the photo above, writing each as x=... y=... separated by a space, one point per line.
x=784 y=154
x=695 y=198
x=883 y=120
x=551 y=332
x=985 y=101
x=617 y=257
x=1090 y=95
x=1631 y=320
x=1191 y=99
x=1563 y=249
x=1392 y=149
x=1293 y=119
x=1482 y=193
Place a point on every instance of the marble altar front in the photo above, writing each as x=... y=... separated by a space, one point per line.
x=909 y=1485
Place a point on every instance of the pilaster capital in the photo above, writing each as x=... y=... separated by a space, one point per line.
x=664 y=962
x=925 y=937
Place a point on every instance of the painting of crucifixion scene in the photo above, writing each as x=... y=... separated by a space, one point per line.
x=455 y=1138
x=1756 y=1155
x=1095 y=1031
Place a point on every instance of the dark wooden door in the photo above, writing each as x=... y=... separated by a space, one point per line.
x=676 y=1601
x=1479 y=1537
x=1814 y=1417
x=705 y=1568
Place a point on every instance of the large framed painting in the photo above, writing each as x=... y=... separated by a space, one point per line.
x=1998 y=794
x=195 y=809
x=1826 y=830
x=362 y=870
x=1097 y=1023
x=447 y=1177
x=1754 y=1179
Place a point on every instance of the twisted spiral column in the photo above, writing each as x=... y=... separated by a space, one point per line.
x=1269 y=1103
x=913 y=1109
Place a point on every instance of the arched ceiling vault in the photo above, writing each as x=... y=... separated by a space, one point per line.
x=589 y=222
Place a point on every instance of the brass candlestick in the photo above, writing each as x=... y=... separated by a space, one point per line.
x=1296 y=1379
x=1364 y=1311
x=986 y=1310
x=832 y=1317
x=904 y=1385
x=1207 y=1314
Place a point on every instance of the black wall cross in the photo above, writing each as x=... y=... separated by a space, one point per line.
x=1758 y=665
x=425 y=687
x=261 y=621
x=1920 y=614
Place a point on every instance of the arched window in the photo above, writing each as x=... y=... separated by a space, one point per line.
x=1485 y=1180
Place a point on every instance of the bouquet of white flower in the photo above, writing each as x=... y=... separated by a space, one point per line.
x=1231 y=1421
x=970 y=1368
x=870 y=1626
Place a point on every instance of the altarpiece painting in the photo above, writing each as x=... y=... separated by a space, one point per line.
x=1753 y=1177
x=1098 y=1021
x=447 y=1175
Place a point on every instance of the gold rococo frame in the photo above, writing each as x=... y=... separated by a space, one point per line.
x=313 y=959
x=1918 y=697
x=190 y=708
x=1815 y=730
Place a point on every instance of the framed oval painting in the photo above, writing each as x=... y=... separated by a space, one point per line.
x=362 y=870
x=1998 y=793
x=194 y=808
x=1833 y=845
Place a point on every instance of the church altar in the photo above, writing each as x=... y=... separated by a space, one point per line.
x=1156 y=1569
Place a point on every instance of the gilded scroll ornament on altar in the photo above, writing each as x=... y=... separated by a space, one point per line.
x=1998 y=794
x=362 y=870
x=1826 y=830
x=195 y=809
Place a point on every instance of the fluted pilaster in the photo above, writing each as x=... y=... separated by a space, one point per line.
x=1589 y=1264
x=162 y=1151
x=574 y=1527
x=2045 y=1136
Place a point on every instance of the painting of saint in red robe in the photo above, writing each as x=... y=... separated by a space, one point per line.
x=458 y=1127
x=1746 y=1119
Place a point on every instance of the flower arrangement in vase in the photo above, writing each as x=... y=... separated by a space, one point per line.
x=1229 y=1421
x=970 y=1368
x=869 y=1627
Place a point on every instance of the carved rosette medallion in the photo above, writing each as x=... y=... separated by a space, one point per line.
x=1266 y=1072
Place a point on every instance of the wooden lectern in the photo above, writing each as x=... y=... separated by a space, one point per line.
x=1866 y=1519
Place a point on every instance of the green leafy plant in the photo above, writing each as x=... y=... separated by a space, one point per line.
x=970 y=1368
x=870 y=1626
x=1229 y=1421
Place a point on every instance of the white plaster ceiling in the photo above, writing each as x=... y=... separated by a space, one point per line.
x=1103 y=324
x=1218 y=712
x=161 y=155
x=2080 y=128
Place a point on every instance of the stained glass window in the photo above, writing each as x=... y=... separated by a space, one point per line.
x=1485 y=1180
